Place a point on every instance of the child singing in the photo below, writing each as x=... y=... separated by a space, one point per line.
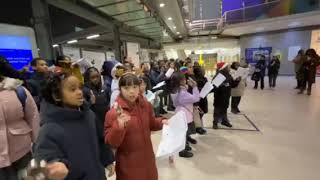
x=128 y=128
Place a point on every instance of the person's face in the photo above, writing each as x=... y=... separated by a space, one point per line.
x=130 y=93
x=65 y=63
x=72 y=92
x=143 y=87
x=95 y=78
x=183 y=82
x=41 y=66
x=172 y=65
x=190 y=69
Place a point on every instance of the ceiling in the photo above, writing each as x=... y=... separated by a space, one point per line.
x=132 y=13
x=273 y=24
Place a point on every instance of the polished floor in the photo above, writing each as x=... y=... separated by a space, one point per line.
x=281 y=142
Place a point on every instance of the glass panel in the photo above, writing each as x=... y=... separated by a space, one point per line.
x=121 y=8
x=96 y=3
x=148 y=26
x=136 y=15
x=141 y=21
x=151 y=30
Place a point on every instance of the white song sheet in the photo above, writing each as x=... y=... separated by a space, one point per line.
x=206 y=90
x=173 y=138
x=242 y=72
x=218 y=80
x=159 y=85
x=169 y=72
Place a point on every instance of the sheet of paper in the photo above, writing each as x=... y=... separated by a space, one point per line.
x=173 y=138
x=242 y=72
x=292 y=52
x=169 y=72
x=159 y=85
x=206 y=90
x=218 y=80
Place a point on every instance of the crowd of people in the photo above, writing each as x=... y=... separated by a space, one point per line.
x=81 y=121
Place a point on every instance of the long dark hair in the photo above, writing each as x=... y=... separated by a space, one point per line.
x=174 y=84
x=312 y=53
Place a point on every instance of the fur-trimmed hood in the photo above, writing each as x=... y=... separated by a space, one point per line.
x=10 y=84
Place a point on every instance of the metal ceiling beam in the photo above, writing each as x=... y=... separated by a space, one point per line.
x=80 y=34
x=127 y=12
x=81 y=12
x=114 y=3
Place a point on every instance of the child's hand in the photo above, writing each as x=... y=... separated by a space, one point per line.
x=92 y=97
x=57 y=171
x=112 y=169
x=192 y=83
x=165 y=121
x=123 y=118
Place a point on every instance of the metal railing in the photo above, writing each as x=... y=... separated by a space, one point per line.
x=262 y=11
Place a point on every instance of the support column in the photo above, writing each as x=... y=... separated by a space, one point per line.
x=117 y=43
x=42 y=27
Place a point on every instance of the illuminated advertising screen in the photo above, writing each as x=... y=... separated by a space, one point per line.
x=16 y=49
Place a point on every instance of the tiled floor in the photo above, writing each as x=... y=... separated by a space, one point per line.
x=287 y=147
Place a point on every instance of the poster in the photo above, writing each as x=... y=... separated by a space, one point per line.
x=252 y=54
x=292 y=52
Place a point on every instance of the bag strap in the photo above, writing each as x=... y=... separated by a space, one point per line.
x=22 y=96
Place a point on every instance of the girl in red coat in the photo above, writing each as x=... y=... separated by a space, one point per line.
x=128 y=128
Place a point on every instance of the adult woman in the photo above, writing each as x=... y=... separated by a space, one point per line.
x=298 y=61
x=238 y=91
x=309 y=68
x=273 y=71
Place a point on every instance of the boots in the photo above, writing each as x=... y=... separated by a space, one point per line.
x=226 y=123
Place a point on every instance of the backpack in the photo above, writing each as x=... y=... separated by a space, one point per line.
x=22 y=96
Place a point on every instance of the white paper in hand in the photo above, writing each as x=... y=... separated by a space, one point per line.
x=169 y=72
x=206 y=90
x=159 y=85
x=173 y=138
x=218 y=80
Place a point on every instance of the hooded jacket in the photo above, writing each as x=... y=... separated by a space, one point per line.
x=70 y=136
x=135 y=158
x=18 y=127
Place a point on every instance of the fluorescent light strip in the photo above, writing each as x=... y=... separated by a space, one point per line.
x=93 y=36
x=72 y=41
x=55 y=45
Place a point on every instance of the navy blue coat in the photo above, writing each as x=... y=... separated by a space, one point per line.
x=70 y=136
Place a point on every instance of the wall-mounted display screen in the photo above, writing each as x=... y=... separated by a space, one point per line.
x=16 y=49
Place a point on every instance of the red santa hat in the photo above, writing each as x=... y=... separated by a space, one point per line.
x=221 y=65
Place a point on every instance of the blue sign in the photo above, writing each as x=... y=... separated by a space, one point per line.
x=253 y=54
x=17 y=58
x=16 y=49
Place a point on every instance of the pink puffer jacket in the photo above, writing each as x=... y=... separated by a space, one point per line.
x=18 y=128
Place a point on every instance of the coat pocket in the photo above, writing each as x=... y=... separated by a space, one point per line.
x=20 y=128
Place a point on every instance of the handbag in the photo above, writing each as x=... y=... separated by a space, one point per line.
x=255 y=76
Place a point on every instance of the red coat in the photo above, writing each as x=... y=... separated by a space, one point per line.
x=135 y=159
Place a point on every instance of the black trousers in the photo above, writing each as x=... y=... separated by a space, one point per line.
x=261 y=83
x=220 y=115
x=11 y=172
x=235 y=101
x=305 y=84
x=272 y=80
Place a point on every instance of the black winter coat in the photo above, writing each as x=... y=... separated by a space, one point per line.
x=223 y=92
x=70 y=136
x=203 y=103
x=34 y=85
